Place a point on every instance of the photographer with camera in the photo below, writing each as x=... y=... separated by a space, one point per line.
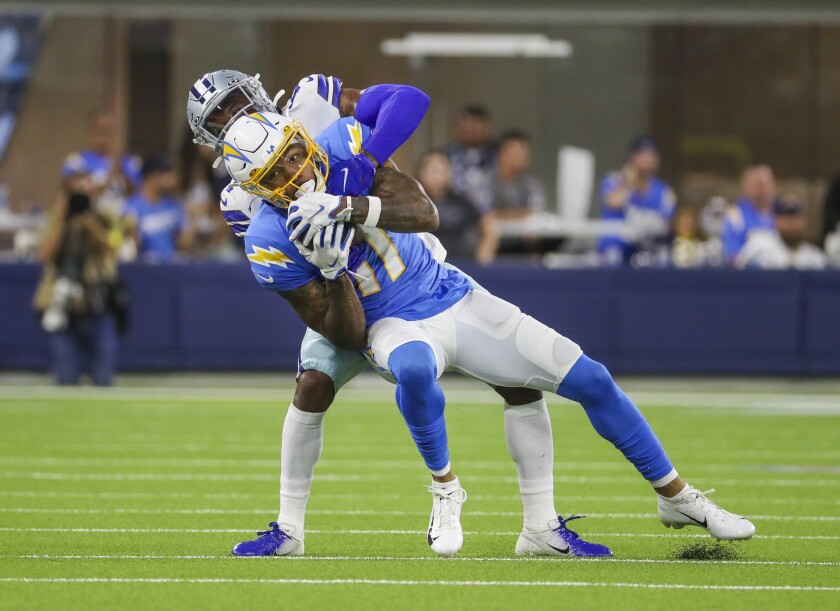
x=79 y=297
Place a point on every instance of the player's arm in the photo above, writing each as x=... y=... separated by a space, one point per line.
x=398 y=203
x=393 y=112
x=404 y=207
x=348 y=100
x=332 y=308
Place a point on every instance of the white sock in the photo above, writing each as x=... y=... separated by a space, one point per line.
x=667 y=479
x=303 y=438
x=447 y=487
x=530 y=443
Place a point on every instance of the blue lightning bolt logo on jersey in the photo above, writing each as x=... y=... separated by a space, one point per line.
x=395 y=273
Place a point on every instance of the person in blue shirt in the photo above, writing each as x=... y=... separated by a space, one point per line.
x=635 y=195
x=416 y=319
x=753 y=212
x=112 y=175
x=155 y=216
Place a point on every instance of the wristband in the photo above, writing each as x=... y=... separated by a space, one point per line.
x=374 y=210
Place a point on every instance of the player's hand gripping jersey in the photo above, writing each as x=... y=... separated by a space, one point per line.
x=395 y=274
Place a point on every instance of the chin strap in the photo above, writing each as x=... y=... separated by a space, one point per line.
x=277 y=97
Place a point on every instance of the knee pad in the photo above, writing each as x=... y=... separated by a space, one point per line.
x=413 y=363
x=587 y=382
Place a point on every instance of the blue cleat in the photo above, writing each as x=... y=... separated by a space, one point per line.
x=274 y=542
x=559 y=541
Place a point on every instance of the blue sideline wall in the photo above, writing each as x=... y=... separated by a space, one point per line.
x=214 y=316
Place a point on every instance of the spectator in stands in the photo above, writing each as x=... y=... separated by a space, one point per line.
x=753 y=212
x=113 y=174
x=785 y=247
x=155 y=217
x=514 y=192
x=637 y=196
x=689 y=247
x=466 y=231
x=472 y=155
x=79 y=297
x=213 y=238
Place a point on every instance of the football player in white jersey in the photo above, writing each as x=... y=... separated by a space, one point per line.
x=214 y=102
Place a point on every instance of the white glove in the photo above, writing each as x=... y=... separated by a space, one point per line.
x=311 y=212
x=330 y=249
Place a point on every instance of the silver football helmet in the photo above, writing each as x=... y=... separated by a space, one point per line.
x=218 y=98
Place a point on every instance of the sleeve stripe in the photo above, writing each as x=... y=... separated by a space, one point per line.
x=235 y=215
x=322 y=87
x=336 y=94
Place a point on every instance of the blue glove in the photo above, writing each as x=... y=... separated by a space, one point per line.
x=352 y=177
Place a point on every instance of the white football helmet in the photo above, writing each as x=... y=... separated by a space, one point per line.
x=255 y=143
x=220 y=97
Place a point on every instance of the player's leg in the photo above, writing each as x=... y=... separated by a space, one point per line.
x=497 y=343
x=618 y=420
x=415 y=363
x=323 y=369
x=531 y=446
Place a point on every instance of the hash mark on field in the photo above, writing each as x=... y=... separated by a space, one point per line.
x=391 y=532
x=426 y=559
x=394 y=582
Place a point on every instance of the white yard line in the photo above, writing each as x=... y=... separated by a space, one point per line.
x=777 y=403
x=394 y=532
x=97 y=445
x=395 y=582
x=415 y=464
x=565 y=499
x=750 y=479
x=425 y=559
x=362 y=512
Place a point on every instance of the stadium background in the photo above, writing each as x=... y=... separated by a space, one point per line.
x=131 y=497
x=653 y=67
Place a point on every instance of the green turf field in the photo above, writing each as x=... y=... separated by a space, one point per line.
x=133 y=497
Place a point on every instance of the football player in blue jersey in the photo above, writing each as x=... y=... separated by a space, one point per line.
x=317 y=101
x=418 y=319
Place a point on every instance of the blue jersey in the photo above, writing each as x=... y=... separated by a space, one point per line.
x=395 y=273
x=99 y=167
x=741 y=220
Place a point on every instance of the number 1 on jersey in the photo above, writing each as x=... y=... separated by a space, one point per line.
x=387 y=252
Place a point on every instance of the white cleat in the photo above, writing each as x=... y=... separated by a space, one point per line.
x=691 y=508
x=445 y=536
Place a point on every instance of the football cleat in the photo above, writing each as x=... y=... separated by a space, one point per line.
x=691 y=508
x=273 y=542
x=445 y=536
x=559 y=540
